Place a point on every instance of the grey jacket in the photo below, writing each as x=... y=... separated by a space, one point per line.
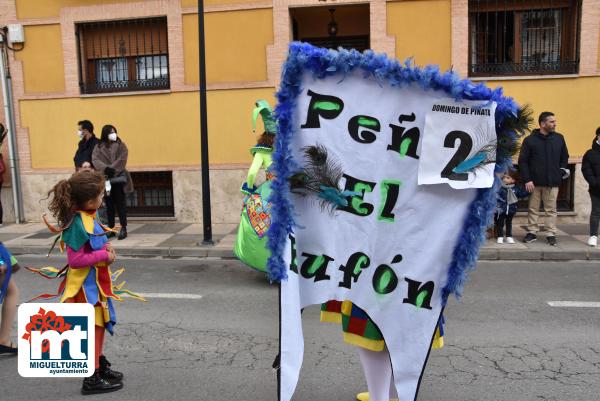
x=113 y=155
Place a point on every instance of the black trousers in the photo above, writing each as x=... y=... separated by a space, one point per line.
x=116 y=201
x=503 y=220
x=594 y=215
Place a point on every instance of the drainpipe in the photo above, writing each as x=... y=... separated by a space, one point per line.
x=12 y=129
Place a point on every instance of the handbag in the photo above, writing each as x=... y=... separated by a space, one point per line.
x=119 y=179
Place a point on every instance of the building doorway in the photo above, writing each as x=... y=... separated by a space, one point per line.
x=332 y=27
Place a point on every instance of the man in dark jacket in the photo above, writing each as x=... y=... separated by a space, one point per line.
x=87 y=143
x=543 y=163
x=590 y=167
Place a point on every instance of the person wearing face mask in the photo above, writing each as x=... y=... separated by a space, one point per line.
x=590 y=168
x=87 y=143
x=110 y=158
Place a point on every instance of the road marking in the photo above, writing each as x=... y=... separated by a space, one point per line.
x=166 y=295
x=574 y=304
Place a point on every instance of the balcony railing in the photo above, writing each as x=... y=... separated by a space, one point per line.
x=544 y=68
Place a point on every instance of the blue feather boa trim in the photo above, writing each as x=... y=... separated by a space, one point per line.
x=320 y=63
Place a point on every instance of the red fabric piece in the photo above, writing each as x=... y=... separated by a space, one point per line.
x=333 y=306
x=85 y=257
x=357 y=326
x=104 y=281
x=99 y=344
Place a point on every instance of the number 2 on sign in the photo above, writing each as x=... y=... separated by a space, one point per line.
x=464 y=148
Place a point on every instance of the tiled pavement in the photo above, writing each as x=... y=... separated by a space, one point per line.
x=149 y=239
x=572 y=245
x=164 y=239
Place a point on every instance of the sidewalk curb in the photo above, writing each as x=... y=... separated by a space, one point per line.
x=485 y=254
x=144 y=252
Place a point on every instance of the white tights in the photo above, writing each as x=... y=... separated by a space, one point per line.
x=378 y=372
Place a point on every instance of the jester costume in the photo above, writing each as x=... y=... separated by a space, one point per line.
x=359 y=329
x=87 y=278
x=91 y=280
x=251 y=242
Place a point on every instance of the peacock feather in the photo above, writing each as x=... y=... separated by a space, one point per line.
x=485 y=155
x=511 y=129
x=320 y=175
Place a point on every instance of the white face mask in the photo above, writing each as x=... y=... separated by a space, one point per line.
x=80 y=134
x=112 y=137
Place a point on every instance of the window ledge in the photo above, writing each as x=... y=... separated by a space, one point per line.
x=523 y=77
x=131 y=93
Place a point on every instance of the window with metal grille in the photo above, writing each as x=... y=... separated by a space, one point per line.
x=153 y=194
x=523 y=37
x=565 y=201
x=124 y=55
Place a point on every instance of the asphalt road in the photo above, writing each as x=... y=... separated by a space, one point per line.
x=503 y=341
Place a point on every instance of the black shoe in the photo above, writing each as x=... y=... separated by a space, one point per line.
x=107 y=373
x=122 y=233
x=96 y=384
x=110 y=235
x=530 y=237
x=551 y=240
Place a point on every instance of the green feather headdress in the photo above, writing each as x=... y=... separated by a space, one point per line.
x=264 y=109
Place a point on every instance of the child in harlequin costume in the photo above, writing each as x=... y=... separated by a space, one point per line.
x=87 y=277
x=251 y=242
x=9 y=295
x=361 y=331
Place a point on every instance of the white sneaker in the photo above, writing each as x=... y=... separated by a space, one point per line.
x=510 y=240
x=500 y=240
x=593 y=241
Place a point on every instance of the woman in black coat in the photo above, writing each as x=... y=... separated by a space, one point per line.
x=590 y=168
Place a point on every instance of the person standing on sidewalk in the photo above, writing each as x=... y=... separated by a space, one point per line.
x=110 y=158
x=506 y=207
x=590 y=167
x=543 y=163
x=3 y=132
x=86 y=146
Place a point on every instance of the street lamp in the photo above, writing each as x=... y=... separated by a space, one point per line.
x=206 y=215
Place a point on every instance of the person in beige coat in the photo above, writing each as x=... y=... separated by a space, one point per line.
x=110 y=158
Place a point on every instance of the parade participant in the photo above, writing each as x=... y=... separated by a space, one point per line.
x=251 y=242
x=407 y=161
x=87 y=277
x=9 y=296
x=373 y=354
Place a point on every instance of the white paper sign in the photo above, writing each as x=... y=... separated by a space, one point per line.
x=459 y=145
